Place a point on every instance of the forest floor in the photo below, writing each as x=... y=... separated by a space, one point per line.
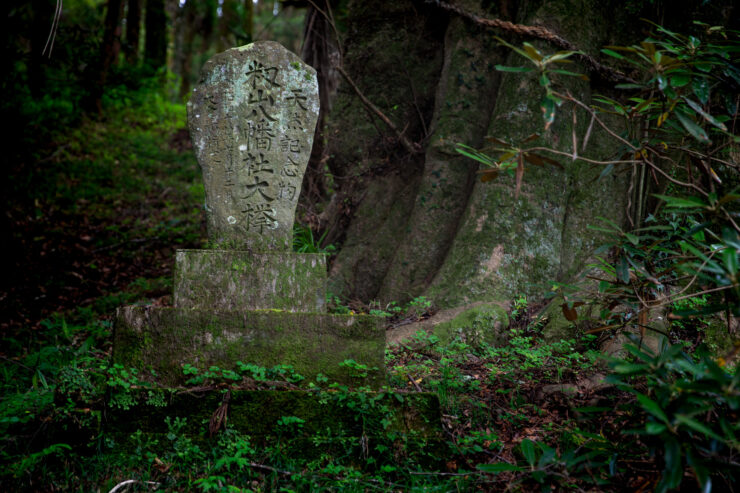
x=94 y=223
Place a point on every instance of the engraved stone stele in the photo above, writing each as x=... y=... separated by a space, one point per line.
x=249 y=298
x=252 y=118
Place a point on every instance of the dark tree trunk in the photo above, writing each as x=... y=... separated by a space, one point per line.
x=320 y=51
x=133 y=31
x=228 y=22
x=188 y=26
x=248 y=21
x=155 y=43
x=99 y=70
x=43 y=14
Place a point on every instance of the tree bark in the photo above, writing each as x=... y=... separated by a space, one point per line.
x=43 y=14
x=321 y=52
x=155 y=43
x=99 y=75
x=424 y=224
x=133 y=31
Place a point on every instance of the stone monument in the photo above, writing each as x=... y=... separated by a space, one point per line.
x=248 y=297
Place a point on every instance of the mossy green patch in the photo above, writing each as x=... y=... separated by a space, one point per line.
x=241 y=280
x=165 y=339
x=485 y=322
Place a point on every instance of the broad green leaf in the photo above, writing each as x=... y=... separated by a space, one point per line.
x=673 y=471
x=560 y=56
x=680 y=80
x=652 y=407
x=544 y=82
x=533 y=52
x=682 y=202
x=623 y=270
x=502 y=68
x=528 y=451
x=696 y=107
x=654 y=428
x=729 y=257
x=628 y=86
x=612 y=53
x=700 y=86
x=697 y=426
x=695 y=130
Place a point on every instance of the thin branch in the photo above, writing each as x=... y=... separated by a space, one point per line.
x=263 y=467
x=411 y=147
x=592 y=112
x=54 y=28
x=692 y=295
x=123 y=484
x=330 y=19
x=580 y=158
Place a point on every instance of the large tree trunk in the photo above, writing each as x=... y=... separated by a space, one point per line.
x=508 y=245
x=320 y=50
x=465 y=97
x=99 y=71
x=421 y=223
x=395 y=56
x=133 y=31
x=155 y=43
x=187 y=28
x=43 y=14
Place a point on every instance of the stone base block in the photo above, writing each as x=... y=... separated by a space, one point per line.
x=242 y=280
x=164 y=339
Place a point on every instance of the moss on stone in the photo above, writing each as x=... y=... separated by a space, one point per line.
x=235 y=279
x=507 y=245
x=164 y=339
x=486 y=322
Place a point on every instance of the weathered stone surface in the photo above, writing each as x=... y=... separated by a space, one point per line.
x=240 y=280
x=164 y=339
x=252 y=119
x=508 y=245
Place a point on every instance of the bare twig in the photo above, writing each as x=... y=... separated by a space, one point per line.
x=580 y=158
x=263 y=467
x=54 y=27
x=416 y=385
x=412 y=148
x=123 y=484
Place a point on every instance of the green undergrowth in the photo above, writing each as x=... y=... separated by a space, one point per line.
x=527 y=415
x=100 y=204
